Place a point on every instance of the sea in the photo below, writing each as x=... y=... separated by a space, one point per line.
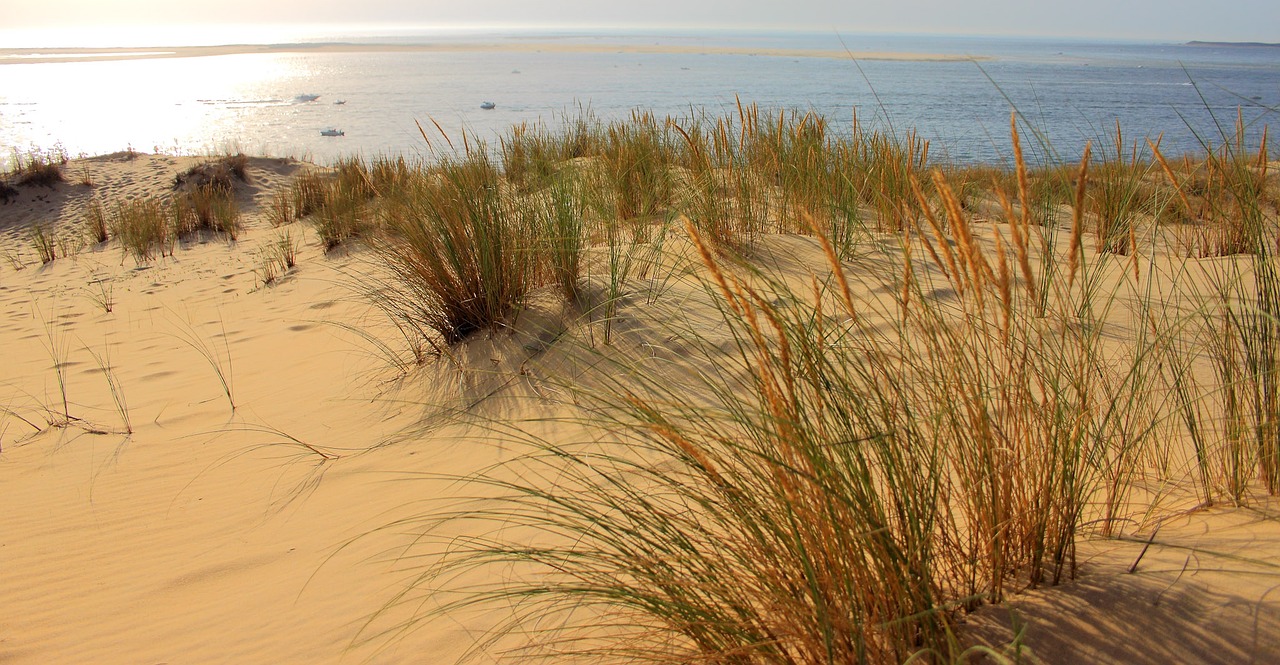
x=1066 y=91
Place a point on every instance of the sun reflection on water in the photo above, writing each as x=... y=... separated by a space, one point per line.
x=98 y=107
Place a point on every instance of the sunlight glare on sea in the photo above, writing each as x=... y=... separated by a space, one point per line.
x=182 y=103
x=212 y=34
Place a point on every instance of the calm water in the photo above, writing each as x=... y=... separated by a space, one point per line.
x=1071 y=90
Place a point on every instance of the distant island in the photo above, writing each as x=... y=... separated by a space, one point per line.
x=1235 y=44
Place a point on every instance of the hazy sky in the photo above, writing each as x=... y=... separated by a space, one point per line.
x=1166 y=20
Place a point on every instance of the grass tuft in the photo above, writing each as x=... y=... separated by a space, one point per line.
x=460 y=249
x=45 y=243
x=37 y=167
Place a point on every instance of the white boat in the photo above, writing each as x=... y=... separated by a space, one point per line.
x=488 y=106
x=340 y=102
x=332 y=132
x=306 y=98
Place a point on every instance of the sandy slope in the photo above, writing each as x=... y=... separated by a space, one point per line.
x=1207 y=590
x=212 y=535
x=204 y=536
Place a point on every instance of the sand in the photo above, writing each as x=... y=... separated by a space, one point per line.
x=204 y=536
x=210 y=534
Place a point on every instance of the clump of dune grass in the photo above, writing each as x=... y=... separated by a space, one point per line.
x=206 y=197
x=563 y=235
x=143 y=228
x=796 y=153
x=1232 y=417
x=340 y=204
x=45 y=243
x=388 y=175
x=353 y=175
x=1225 y=197
x=767 y=171
x=461 y=250
x=286 y=248
x=281 y=211
x=636 y=163
x=343 y=215
x=207 y=208
x=308 y=193
x=1117 y=196
x=37 y=167
x=96 y=222
x=221 y=174
x=889 y=164
x=56 y=346
x=531 y=156
x=723 y=197
x=276 y=258
x=267 y=270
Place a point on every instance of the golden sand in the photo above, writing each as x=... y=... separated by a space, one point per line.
x=207 y=535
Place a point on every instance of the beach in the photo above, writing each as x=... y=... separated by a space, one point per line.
x=210 y=459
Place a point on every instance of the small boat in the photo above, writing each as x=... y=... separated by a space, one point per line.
x=488 y=106
x=332 y=132
x=306 y=98
x=340 y=102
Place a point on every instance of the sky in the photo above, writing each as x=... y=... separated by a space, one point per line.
x=1158 y=20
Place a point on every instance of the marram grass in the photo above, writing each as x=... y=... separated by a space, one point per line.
x=974 y=370
x=834 y=469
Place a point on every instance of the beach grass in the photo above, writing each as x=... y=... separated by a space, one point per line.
x=276 y=257
x=462 y=249
x=847 y=394
x=143 y=228
x=209 y=208
x=37 y=167
x=838 y=467
x=45 y=243
x=96 y=222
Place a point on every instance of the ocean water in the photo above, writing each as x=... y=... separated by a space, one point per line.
x=1069 y=91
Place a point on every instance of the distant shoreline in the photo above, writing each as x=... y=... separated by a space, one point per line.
x=83 y=54
x=1235 y=44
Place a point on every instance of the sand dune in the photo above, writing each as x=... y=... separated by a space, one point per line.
x=212 y=534
x=204 y=536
